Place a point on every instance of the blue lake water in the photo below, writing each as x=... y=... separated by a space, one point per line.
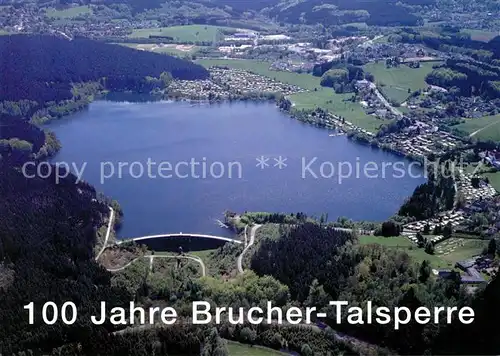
x=226 y=139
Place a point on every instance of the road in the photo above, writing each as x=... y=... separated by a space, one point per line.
x=151 y=257
x=483 y=128
x=108 y=232
x=384 y=101
x=250 y=243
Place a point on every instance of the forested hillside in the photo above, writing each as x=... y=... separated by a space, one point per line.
x=47 y=238
x=335 y=12
x=330 y=265
x=42 y=68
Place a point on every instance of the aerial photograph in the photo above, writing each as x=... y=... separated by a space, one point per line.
x=249 y=177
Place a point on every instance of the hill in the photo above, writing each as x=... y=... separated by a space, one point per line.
x=337 y=12
x=42 y=68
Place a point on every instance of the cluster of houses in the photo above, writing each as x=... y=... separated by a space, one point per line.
x=455 y=218
x=492 y=157
x=420 y=140
x=243 y=81
x=470 y=193
x=226 y=83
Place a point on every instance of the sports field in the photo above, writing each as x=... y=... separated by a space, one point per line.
x=189 y=33
x=483 y=128
x=68 y=13
x=394 y=83
x=317 y=96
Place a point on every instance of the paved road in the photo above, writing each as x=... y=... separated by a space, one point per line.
x=384 y=101
x=250 y=243
x=105 y=243
x=151 y=257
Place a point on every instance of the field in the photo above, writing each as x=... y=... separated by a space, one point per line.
x=323 y=97
x=171 y=49
x=481 y=35
x=338 y=104
x=484 y=128
x=395 y=82
x=458 y=249
x=237 y=349
x=190 y=33
x=69 y=12
x=404 y=244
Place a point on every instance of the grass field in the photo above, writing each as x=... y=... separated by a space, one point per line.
x=69 y=12
x=458 y=249
x=404 y=244
x=483 y=128
x=237 y=349
x=190 y=33
x=481 y=35
x=395 y=82
x=494 y=179
x=323 y=97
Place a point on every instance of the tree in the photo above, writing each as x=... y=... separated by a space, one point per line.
x=492 y=247
x=317 y=296
x=420 y=240
x=429 y=248
x=447 y=230
x=166 y=78
x=306 y=350
x=390 y=228
x=424 y=271
x=214 y=345
x=248 y=335
x=334 y=76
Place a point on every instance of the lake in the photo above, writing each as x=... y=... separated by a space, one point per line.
x=176 y=167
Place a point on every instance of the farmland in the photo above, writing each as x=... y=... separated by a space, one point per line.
x=68 y=13
x=395 y=83
x=190 y=33
x=484 y=128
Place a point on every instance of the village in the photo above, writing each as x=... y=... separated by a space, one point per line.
x=228 y=84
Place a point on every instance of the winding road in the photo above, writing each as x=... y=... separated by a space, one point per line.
x=250 y=243
x=108 y=232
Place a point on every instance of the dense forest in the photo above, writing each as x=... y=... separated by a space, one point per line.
x=47 y=237
x=469 y=77
x=337 y=12
x=42 y=68
x=430 y=198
